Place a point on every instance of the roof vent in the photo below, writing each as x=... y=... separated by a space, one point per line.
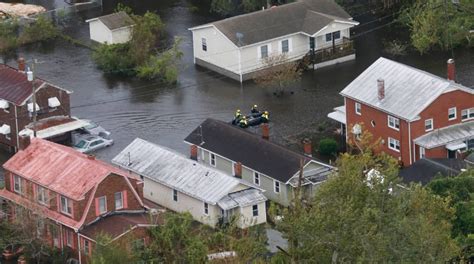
x=239 y=37
x=380 y=89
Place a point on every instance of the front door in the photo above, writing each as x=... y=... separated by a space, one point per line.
x=451 y=154
x=312 y=43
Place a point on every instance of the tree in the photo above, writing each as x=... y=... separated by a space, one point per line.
x=145 y=35
x=106 y=251
x=278 y=72
x=356 y=218
x=439 y=24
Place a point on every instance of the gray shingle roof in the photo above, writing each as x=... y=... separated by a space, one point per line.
x=176 y=171
x=308 y=16
x=251 y=150
x=117 y=20
x=425 y=170
x=445 y=135
x=408 y=90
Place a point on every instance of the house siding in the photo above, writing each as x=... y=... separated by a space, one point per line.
x=333 y=27
x=99 y=32
x=121 y=35
x=247 y=219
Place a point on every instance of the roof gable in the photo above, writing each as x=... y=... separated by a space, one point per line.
x=408 y=90
x=115 y=20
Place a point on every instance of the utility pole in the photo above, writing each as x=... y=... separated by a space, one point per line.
x=31 y=78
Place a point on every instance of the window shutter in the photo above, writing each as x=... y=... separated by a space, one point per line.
x=125 y=199
x=97 y=211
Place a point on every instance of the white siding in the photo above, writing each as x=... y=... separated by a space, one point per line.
x=335 y=26
x=99 y=32
x=121 y=35
x=220 y=50
x=247 y=219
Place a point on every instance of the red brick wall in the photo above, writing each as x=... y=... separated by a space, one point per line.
x=108 y=187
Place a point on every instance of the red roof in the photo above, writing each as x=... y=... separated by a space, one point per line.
x=60 y=168
x=14 y=86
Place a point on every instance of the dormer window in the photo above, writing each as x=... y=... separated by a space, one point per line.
x=41 y=195
x=66 y=205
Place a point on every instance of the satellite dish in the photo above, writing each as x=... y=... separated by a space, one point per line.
x=239 y=36
x=356 y=129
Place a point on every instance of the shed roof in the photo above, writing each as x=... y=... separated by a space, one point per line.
x=251 y=150
x=242 y=199
x=60 y=168
x=425 y=170
x=171 y=169
x=115 y=20
x=14 y=86
x=408 y=91
x=445 y=135
x=308 y=16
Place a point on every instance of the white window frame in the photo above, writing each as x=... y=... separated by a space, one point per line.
x=454 y=111
x=69 y=238
x=104 y=198
x=121 y=200
x=255 y=209
x=64 y=206
x=206 y=208
x=212 y=159
x=256 y=178
x=15 y=179
x=281 y=47
x=204 y=44
x=41 y=195
x=358 y=108
x=174 y=194
x=395 y=121
x=431 y=122
x=276 y=184
x=392 y=141
x=259 y=51
x=468 y=112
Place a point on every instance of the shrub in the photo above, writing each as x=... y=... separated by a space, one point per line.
x=327 y=146
x=114 y=59
x=40 y=30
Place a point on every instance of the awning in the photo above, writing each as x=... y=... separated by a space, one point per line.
x=30 y=107
x=4 y=104
x=53 y=102
x=339 y=114
x=5 y=129
x=456 y=145
x=56 y=130
x=445 y=136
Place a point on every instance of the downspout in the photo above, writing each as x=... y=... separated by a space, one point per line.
x=409 y=142
x=79 y=247
x=345 y=107
x=16 y=129
x=240 y=65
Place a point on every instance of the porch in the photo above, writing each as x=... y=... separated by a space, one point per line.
x=343 y=48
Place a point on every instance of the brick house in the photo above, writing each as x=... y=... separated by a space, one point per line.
x=16 y=107
x=77 y=195
x=415 y=114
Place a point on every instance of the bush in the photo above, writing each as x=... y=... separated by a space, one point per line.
x=327 y=146
x=40 y=30
x=8 y=35
x=114 y=59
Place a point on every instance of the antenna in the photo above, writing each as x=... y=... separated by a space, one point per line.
x=239 y=37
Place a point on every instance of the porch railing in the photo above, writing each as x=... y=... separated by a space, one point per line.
x=333 y=52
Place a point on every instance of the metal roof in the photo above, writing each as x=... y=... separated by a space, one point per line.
x=60 y=168
x=445 y=135
x=307 y=16
x=408 y=90
x=115 y=20
x=171 y=169
x=339 y=114
x=241 y=199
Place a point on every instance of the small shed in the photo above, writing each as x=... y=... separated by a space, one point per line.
x=111 y=29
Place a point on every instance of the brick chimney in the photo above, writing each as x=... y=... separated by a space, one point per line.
x=194 y=152
x=24 y=142
x=238 y=170
x=91 y=157
x=307 y=148
x=265 y=131
x=21 y=64
x=451 y=70
x=380 y=89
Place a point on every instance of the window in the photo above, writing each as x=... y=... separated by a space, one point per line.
x=467 y=114
x=204 y=44
x=256 y=178
x=102 y=205
x=393 y=122
x=393 y=144
x=429 y=124
x=86 y=247
x=276 y=186
x=285 y=46
x=212 y=159
x=336 y=35
x=17 y=184
x=263 y=51
x=312 y=43
x=175 y=195
x=66 y=206
x=422 y=152
x=69 y=238
x=255 y=210
x=452 y=113
x=328 y=37
x=118 y=200
x=357 y=108
x=206 y=208
x=41 y=195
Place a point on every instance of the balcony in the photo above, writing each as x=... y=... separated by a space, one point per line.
x=330 y=53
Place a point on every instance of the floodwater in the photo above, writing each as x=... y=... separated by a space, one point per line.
x=166 y=114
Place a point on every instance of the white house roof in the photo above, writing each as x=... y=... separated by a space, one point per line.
x=408 y=91
x=241 y=199
x=443 y=136
x=339 y=114
x=175 y=171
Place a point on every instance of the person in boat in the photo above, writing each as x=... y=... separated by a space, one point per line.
x=254 y=109
x=237 y=117
x=265 y=117
x=243 y=122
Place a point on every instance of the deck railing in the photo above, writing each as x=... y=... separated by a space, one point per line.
x=333 y=52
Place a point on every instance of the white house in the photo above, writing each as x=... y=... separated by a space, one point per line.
x=183 y=185
x=111 y=29
x=236 y=46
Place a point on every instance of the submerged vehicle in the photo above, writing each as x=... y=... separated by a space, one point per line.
x=89 y=143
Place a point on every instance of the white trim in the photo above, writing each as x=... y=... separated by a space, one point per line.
x=211 y=154
x=455 y=113
x=422 y=151
x=432 y=124
x=394 y=148
x=275 y=184
x=173 y=192
x=256 y=175
x=360 y=108
x=105 y=204
x=395 y=120
x=409 y=143
x=115 y=200
x=205 y=207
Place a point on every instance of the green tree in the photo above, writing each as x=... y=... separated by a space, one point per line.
x=367 y=219
x=40 y=30
x=439 y=24
x=107 y=251
x=145 y=35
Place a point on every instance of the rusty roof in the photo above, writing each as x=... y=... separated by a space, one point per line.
x=14 y=86
x=60 y=168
